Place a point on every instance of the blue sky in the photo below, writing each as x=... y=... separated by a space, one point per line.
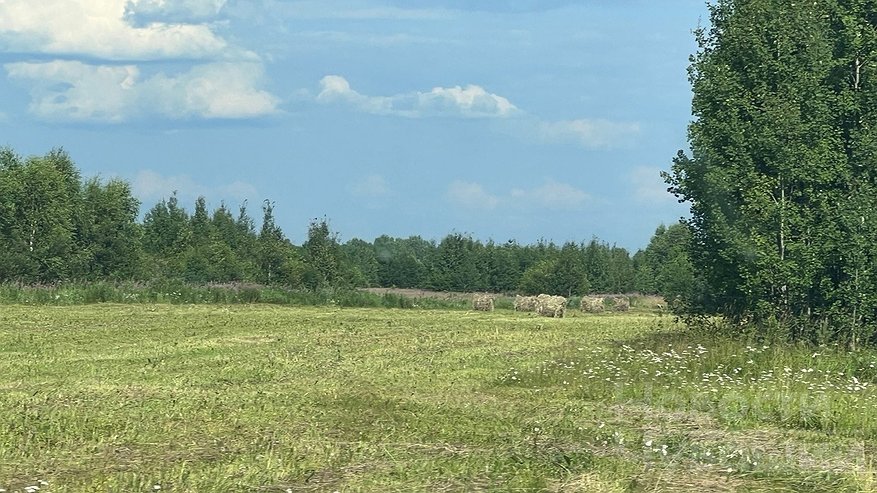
x=517 y=119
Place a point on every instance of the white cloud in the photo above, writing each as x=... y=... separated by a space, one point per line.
x=63 y=90
x=551 y=195
x=474 y=101
x=471 y=196
x=216 y=90
x=649 y=187
x=75 y=91
x=371 y=186
x=151 y=185
x=471 y=101
x=592 y=134
x=187 y=9
x=102 y=29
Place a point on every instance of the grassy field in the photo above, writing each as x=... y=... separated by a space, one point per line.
x=273 y=399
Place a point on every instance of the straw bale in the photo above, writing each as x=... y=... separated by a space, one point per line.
x=593 y=304
x=482 y=302
x=550 y=306
x=620 y=303
x=525 y=303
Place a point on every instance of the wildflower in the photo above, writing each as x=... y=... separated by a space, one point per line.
x=156 y=487
x=648 y=443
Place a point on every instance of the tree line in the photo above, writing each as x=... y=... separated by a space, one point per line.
x=56 y=226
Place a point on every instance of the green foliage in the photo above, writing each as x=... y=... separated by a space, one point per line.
x=324 y=256
x=271 y=250
x=109 y=235
x=458 y=265
x=780 y=179
x=40 y=199
x=402 y=262
x=361 y=263
x=55 y=227
x=563 y=274
x=664 y=267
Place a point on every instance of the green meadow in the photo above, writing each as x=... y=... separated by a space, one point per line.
x=207 y=398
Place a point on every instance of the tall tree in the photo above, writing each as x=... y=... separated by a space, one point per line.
x=363 y=265
x=271 y=245
x=43 y=195
x=781 y=178
x=167 y=235
x=663 y=267
x=109 y=233
x=456 y=266
x=402 y=263
x=198 y=258
x=323 y=254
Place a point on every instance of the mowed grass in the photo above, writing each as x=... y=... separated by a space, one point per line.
x=276 y=399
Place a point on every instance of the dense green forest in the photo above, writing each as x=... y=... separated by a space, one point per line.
x=56 y=226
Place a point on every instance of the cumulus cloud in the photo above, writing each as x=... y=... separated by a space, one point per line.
x=592 y=134
x=149 y=184
x=75 y=91
x=103 y=29
x=371 y=186
x=550 y=195
x=217 y=90
x=649 y=187
x=471 y=101
x=471 y=196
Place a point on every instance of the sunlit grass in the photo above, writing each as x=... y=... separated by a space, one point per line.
x=266 y=398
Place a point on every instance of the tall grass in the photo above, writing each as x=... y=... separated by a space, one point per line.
x=180 y=293
x=824 y=388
